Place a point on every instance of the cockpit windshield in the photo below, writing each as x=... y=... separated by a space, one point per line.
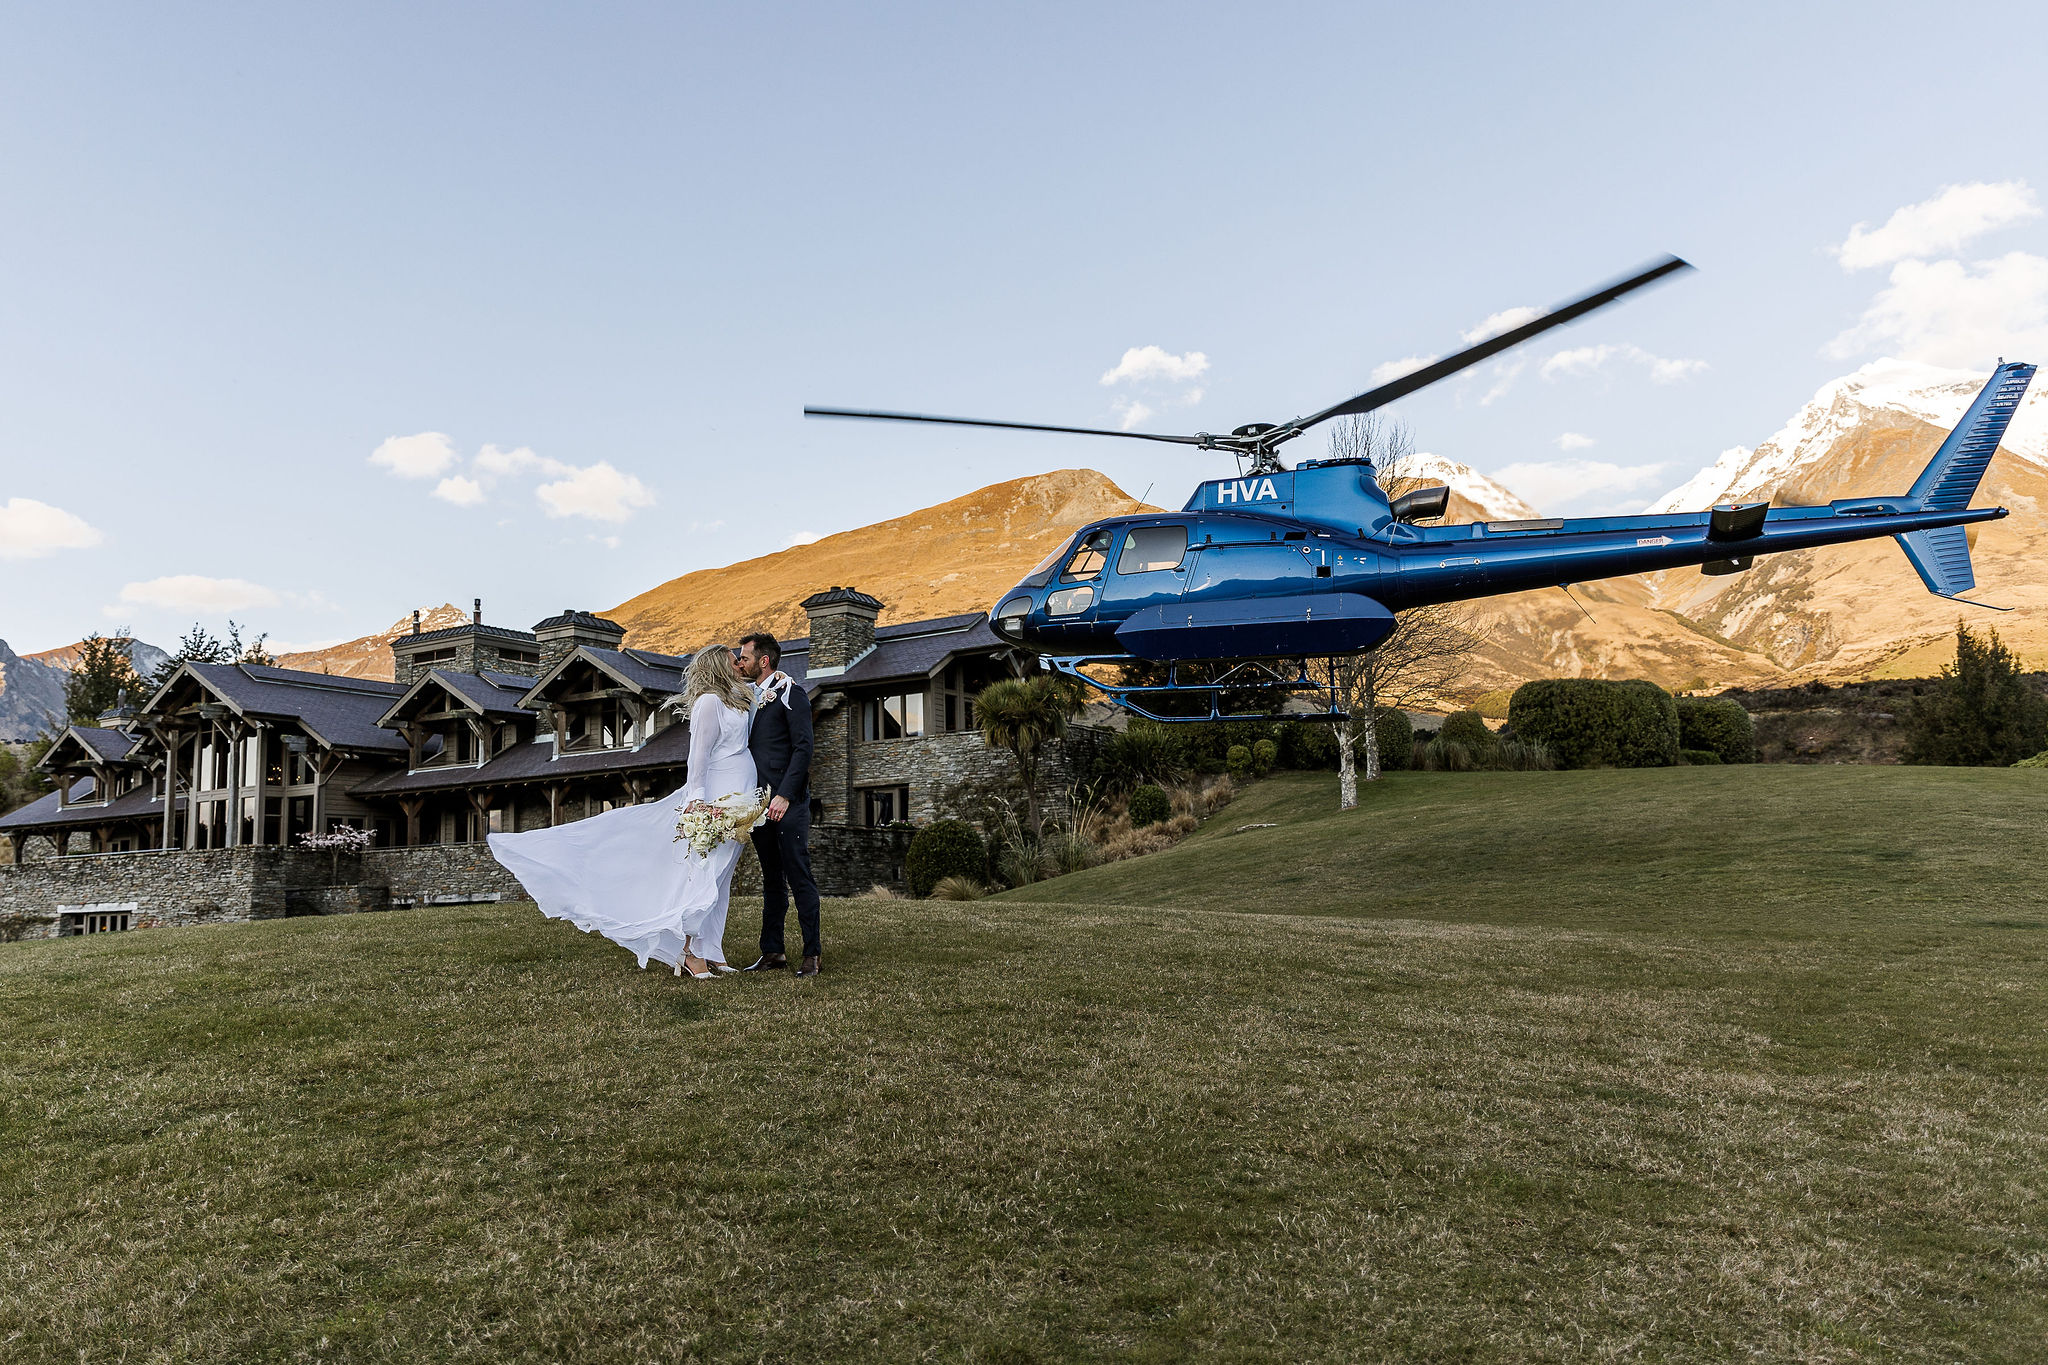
x=1089 y=556
x=1041 y=572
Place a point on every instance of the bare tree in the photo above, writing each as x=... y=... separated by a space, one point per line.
x=1431 y=647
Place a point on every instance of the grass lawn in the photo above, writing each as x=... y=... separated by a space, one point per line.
x=1684 y=1065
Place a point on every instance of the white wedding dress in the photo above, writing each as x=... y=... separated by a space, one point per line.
x=623 y=874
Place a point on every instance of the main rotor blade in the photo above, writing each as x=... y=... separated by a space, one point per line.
x=1008 y=426
x=1493 y=346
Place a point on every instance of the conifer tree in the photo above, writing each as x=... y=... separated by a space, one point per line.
x=1982 y=712
x=99 y=676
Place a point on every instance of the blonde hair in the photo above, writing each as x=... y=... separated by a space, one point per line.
x=711 y=670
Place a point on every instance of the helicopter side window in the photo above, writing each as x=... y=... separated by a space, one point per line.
x=1089 y=557
x=1152 y=548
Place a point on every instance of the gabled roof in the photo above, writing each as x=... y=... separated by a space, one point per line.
x=907 y=651
x=640 y=669
x=96 y=745
x=488 y=693
x=535 y=762
x=341 y=712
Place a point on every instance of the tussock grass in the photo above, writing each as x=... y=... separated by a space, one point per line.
x=1643 y=1112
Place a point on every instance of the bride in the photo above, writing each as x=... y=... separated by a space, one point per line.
x=622 y=874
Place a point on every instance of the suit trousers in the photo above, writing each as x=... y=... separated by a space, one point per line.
x=784 y=847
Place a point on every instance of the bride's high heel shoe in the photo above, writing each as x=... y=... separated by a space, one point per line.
x=684 y=967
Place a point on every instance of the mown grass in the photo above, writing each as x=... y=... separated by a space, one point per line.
x=1666 y=1066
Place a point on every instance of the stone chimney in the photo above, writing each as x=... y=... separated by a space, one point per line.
x=468 y=647
x=560 y=636
x=842 y=630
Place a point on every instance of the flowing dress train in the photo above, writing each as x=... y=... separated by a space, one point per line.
x=623 y=874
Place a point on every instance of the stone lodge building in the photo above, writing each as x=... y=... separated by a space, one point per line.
x=189 y=807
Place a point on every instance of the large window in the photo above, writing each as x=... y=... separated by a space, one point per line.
x=898 y=717
x=884 y=805
x=1151 y=548
x=598 y=727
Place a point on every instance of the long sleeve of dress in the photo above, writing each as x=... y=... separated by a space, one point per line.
x=704 y=732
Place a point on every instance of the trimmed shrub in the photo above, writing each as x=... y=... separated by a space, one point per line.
x=1469 y=729
x=1264 y=755
x=1307 y=745
x=1586 y=723
x=1396 y=739
x=1699 y=758
x=942 y=849
x=1149 y=806
x=1237 y=761
x=1717 y=724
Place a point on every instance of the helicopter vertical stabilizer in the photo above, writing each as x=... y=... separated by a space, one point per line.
x=1941 y=556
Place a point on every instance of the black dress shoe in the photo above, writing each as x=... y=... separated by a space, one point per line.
x=812 y=966
x=767 y=962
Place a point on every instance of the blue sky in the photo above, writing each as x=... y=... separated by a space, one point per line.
x=621 y=246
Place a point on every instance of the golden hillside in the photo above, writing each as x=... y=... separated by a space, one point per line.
x=370 y=656
x=941 y=561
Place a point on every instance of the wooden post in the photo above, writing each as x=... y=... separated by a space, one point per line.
x=637 y=786
x=62 y=839
x=18 y=845
x=169 y=739
x=411 y=805
x=234 y=733
x=554 y=804
x=480 y=801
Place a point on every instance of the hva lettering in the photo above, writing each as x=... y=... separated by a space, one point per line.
x=1247 y=490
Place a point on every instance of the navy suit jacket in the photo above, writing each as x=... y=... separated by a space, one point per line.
x=781 y=746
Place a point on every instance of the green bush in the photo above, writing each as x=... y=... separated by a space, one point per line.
x=1264 y=755
x=1145 y=752
x=942 y=849
x=1718 y=724
x=1307 y=745
x=1699 y=758
x=1469 y=729
x=1442 y=755
x=1237 y=761
x=1586 y=723
x=2039 y=760
x=1980 y=712
x=1396 y=735
x=1149 y=806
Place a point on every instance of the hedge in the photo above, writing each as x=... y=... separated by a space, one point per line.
x=1587 y=723
x=1718 y=724
x=942 y=849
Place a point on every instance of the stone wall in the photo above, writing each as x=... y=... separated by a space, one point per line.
x=231 y=885
x=842 y=765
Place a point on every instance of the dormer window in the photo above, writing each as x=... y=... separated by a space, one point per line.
x=601 y=725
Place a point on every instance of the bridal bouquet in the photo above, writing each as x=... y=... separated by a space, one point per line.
x=704 y=825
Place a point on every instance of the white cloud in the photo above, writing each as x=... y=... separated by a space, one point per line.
x=460 y=491
x=597 y=491
x=1941 y=224
x=424 y=456
x=1153 y=364
x=1586 y=360
x=1577 y=483
x=495 y=463
x=1129 y=412
x=193 y=592
x=1572 y=440
x=797 y=538
x=1387 y=371
x=1956 y=313
x=1504 y=375
x=1504 y=321
x=31 y=529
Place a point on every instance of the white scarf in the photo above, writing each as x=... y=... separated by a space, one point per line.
x=775 y=687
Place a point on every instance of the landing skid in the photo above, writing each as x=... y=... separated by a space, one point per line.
x=1211 y=689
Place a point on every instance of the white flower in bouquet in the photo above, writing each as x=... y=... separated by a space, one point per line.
x=704 y=825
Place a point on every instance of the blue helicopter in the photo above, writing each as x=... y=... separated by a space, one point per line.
x=1235 y=594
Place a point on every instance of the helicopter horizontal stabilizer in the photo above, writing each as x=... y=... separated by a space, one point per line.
x=1942 y=559
x=1258 y=628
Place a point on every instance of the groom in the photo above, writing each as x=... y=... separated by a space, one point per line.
x=781 y=745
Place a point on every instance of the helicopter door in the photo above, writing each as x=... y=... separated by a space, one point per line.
x=1151 y=567
x=1077 y=592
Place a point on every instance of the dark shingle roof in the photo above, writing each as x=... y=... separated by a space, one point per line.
x=409 y=641
x=43 y=812
x=832 y=596
x=497 y=693
x=341 y=711
x=110 y=746
x=909 y=650
x=536 y=762
x=571 y=617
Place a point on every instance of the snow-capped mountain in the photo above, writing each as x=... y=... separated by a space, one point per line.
x=1843 y=406
x=1487 y=500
